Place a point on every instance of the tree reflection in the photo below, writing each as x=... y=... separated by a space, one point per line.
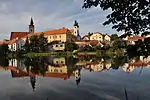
x=36 y=65
x=4 y=62
x=118 y=62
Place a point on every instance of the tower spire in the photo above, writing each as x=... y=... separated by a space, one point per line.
x=31 y=26
x=76 y=23
x=31 y=22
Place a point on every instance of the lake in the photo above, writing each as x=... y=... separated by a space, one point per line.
x=75 y=78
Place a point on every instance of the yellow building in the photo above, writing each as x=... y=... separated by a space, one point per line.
x=61 y=35
x=96 y=36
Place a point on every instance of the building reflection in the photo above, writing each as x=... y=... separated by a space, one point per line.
x=134 y=62
x=66 y=67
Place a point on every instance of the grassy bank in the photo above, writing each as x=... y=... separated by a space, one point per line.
x=102 y=52
x=48 y=54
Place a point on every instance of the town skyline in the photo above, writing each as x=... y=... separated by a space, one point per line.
x=16 y=18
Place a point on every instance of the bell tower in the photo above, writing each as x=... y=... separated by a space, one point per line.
x=76 y=28
x=31 y=26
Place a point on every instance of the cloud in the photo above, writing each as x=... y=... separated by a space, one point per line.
x=15 y=16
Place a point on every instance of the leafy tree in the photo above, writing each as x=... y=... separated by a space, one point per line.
x=27 y=45
x=34 y=43
x=114 y=37
x=119 y=44
x=71 y=46
x=127 y=15
x=42 y=42
x=145 y=33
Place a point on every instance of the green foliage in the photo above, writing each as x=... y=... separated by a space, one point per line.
x=145 y=33
x=128 y=15
x=140 y=48
x=71 y=46
x=119 y=44
x=42 y=43
x=35 y=44
x=114 y=37
x=27 y=45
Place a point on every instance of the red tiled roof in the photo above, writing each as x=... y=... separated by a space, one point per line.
x=18 y=34
x=135 y=38
x=57 y=31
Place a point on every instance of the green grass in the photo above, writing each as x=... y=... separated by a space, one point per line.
x=102 y=52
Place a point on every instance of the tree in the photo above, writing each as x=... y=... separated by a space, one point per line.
x=145 y=33
x=34 y=43
x=119 y=44
x=42 y=43
x=114 y=37
x=128 y=15
x=71 y=46
x=27 y=45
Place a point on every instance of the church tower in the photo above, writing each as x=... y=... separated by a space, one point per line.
x=76 y=28
x=31 y=26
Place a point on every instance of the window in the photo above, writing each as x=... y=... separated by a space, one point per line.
x=55 y=70
x=62 y=62
x=57 y=62
x=50 y=37
x=56 y=45
x=61 y=45
x=60 y=36
x=55 y=36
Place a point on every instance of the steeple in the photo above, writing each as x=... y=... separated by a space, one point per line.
x=31 y=26
x=76 y=28
x=76 y=24
x=31 y=22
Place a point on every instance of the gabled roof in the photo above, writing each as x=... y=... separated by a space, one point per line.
x=57 y=31
x=18 y=34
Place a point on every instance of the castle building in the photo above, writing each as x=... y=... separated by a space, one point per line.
x=17 y=39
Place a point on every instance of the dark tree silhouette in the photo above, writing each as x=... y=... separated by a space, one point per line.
x=114 y=37
x=126 y=15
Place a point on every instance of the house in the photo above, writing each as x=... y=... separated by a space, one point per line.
x=56 y=46
x=106 y=38
x=96 y=36
x=133 y=39
x=86 y=38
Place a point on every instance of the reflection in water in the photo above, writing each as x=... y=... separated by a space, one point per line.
x=67 y=67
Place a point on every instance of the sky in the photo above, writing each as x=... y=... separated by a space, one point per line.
x=15 y=16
